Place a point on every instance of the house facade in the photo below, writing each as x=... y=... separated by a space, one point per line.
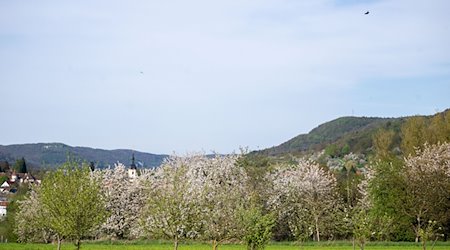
x=3 y=206
x=10 y=186
x=5 y=187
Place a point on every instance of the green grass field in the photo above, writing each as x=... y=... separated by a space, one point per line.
x=196 y=246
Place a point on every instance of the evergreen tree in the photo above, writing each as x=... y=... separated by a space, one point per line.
x=20 y=166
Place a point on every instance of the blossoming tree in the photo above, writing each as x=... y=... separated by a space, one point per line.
x=124 y=201
x=223 y=196
x=171 y=210
x=306 y=195
x=427 y=179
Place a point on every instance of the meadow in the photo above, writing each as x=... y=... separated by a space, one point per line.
x=205 y=246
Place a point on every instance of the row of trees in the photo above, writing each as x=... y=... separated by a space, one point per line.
x=409 y=183
x=187 y=197
x=216 y=199
x=390 y=196
x=413 y=195
x=20 y=166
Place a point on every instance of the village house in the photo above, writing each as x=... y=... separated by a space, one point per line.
x=16 y=179
x=23 y=178
x=6 y=187
x=11 y=185
x=3 y=206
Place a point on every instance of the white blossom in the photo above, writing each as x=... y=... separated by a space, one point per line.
x=304 y=194
x=125 y=200
x=30 y=220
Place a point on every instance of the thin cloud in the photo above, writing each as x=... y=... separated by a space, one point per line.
x=217 y=75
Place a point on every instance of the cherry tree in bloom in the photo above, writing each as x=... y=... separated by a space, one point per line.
x=427 y=178
x=124 y=201
x=223 y=196
x=306 y=196
x=361 y=220
x=171 y=210
x=30 y=220
x=196 y=196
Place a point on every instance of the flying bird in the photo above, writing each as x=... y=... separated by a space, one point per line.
x=367 y=13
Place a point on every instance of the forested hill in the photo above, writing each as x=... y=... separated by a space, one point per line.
x=53 y=154
x=349 y=134
x=339 y=136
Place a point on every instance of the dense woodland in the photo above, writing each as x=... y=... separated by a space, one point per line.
x=399 y=190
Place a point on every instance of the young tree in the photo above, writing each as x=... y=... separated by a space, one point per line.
x=429 y=232
x=73 y=202
x=257 y=227
x=361 y=220
x=365 y=223
x=362 y=226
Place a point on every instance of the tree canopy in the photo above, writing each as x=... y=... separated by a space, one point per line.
x=72 y=202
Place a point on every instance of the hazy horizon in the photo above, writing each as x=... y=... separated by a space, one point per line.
x=202 y=150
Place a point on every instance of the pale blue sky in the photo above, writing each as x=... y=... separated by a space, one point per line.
x=216 y=75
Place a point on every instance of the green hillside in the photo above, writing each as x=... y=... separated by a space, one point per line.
x=353 y=133
x=342 y=135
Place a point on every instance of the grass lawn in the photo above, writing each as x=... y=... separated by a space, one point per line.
x=196 y=246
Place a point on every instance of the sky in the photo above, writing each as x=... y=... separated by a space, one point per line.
x=200 y=75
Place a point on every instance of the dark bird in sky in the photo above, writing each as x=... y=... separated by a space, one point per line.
x=142 y=72
x=367 y=13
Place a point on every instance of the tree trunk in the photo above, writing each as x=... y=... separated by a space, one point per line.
x=59 y=242
x=175 y=243
x=44 y=237
x=418 y=229
x=348 y=188
x=78 y=244
x=317 y=229
x=362 y=243
x=215 y=245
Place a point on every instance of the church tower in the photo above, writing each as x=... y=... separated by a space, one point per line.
x=132 y=171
